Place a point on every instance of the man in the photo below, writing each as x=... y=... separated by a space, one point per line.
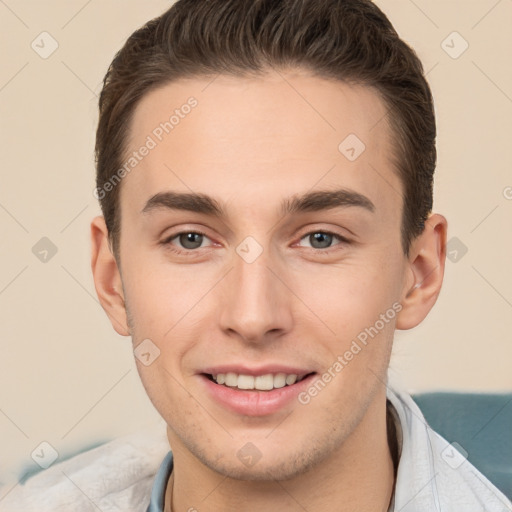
x=265 y=174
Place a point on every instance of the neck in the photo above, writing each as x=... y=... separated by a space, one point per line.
x=359 y=475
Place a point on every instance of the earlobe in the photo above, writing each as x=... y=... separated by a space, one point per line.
x=107 y=278
x=426 y=272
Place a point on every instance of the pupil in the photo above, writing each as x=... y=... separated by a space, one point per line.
x=320 y=240
x=191 y=240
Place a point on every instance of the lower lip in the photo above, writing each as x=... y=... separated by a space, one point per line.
x=253 y=402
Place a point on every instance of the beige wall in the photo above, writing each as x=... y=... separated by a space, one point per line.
x=65 y=376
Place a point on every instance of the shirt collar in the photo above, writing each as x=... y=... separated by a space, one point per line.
x=160 y=483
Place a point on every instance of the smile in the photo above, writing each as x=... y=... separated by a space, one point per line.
x=266 y=382
x=263 y=393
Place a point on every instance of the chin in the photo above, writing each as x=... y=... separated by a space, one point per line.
x=281 y=465
x=261 y=472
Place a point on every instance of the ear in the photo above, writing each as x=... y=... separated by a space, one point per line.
x=425 y=271
x=107 y=277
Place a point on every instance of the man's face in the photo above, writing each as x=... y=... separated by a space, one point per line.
x=257 y=288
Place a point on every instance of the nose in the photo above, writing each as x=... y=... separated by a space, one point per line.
x=255 y=305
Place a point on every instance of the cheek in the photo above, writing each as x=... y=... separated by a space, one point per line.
x=172 y=307
x=351 y=298
x=159 y=295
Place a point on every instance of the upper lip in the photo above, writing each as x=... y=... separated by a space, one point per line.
x=241 y=369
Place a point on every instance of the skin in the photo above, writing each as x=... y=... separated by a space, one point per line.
x=296 y=304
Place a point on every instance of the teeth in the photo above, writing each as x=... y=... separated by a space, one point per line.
x=231 y=379
x=245 y=382
x=290 y=379
x=261 y=382
x=280 y=380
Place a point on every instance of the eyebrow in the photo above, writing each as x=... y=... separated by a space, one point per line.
x=308 y=202
x=325 y=200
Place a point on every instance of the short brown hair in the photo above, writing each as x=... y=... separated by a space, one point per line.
x=347 y=40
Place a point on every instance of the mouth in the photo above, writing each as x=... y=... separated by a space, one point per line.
x=255 y=392
x=266 y=382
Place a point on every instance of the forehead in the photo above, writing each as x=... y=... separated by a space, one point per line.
x=277 y=134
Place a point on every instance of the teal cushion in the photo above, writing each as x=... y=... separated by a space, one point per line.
x=481 y=424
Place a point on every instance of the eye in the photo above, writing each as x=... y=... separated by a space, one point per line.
x=188 y=240
x=322 y=239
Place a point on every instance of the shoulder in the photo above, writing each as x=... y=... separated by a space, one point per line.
x=432 y=473
x=117 y=475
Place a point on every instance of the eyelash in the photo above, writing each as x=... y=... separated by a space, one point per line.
x=341 y=241
x=167 y=242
